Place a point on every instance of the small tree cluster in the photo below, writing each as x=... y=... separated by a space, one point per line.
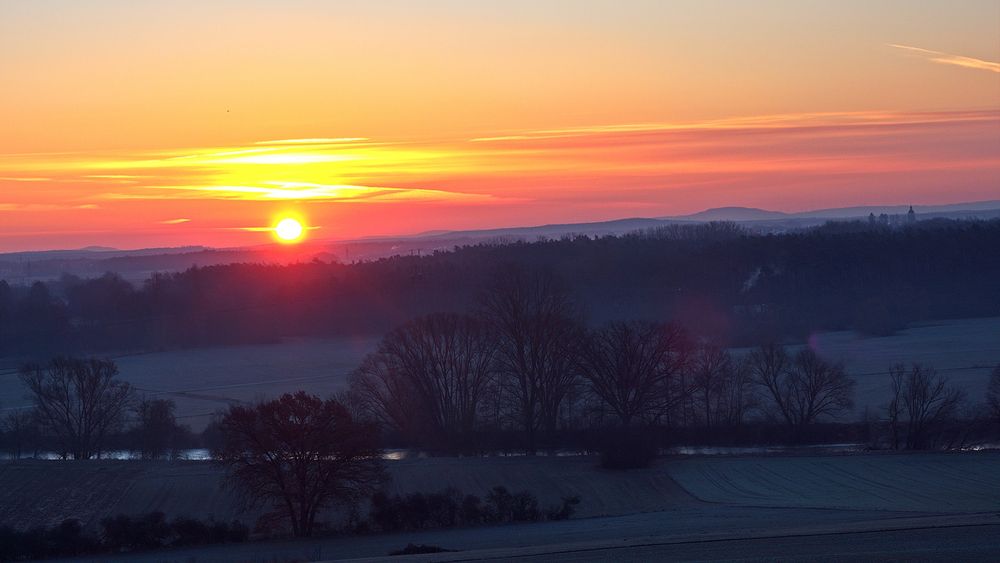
x=527 y=363
x=81 y=409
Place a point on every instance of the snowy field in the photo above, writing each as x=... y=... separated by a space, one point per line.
x=202 y=381
x=964 y=351
x=682 y=508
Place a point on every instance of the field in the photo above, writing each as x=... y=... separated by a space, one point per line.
x=202 y=381
x=680 y=503
x=964 y=351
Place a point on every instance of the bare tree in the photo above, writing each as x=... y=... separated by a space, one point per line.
x=429 y=377
x=923 y=401
x=801 y=389
x=632 y=367
x=538 y=331
x=895 y=407
x=993 y=394
x=79 y=401
x=156 y=434
x=710 y=369
x=738 y=394
x=20 y=430
x=300 y=455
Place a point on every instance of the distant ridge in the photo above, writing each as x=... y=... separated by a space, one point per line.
x=733 y=214
x=138 y=264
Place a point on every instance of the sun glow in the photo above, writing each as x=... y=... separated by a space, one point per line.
x=289 y=230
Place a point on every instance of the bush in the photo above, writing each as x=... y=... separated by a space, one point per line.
x=123 y=533
x=449 y=508
x=189 y=531
x=564 y=511
x=472 y=510
x=417 y=511
x=503 y=507
x=64 y=540
x=416 y=549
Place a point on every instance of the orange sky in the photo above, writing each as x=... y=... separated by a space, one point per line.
x=135 y=124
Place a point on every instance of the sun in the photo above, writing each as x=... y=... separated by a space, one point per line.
x=289 y=230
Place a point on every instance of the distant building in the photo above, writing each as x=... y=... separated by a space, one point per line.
x=911 y=217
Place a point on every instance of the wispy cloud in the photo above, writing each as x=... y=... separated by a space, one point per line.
x=950 y=59
x=297 y=191
x=175 y=221
x=24 y=179
x=757 y=122
x=313 y=141
x=5 y=206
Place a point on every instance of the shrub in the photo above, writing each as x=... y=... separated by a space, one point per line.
x=64 y=540
x=189 y=531
x=448 y=508
x=416 y=549
x=122 y=533
x=472 y=510
x=564 y=511
x=504 y=507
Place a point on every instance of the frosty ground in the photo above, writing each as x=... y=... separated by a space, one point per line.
x=684 y=507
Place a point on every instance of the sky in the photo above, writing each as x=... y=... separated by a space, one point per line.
x=139 y=124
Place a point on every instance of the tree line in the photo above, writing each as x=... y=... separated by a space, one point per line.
x=718 y=280
x=445 y=383
x=525 y=364
x=524 y=372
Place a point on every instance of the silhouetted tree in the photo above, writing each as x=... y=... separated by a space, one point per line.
x=711 y=368
x=921 y=404
x=993 y=394
x=20 y=432
x=156 y=434
x=300 y=455
x=428 y=379
x=800 y=389
x=537 y=329
x=78 y=401
x=634 y=367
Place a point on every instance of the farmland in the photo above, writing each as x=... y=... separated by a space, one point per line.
x=678 y=500
x=204 y=380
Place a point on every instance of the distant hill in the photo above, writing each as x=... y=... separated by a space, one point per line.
x=733 y=214
x=24 y=267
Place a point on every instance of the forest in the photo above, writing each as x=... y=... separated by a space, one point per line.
x=718 y=280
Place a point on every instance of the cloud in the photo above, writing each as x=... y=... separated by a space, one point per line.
x=24 y=179
x=300 y=191
x=949 y=59
x=175 y=221
x=4 y=206
x=313 y=141
x=784 y=121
